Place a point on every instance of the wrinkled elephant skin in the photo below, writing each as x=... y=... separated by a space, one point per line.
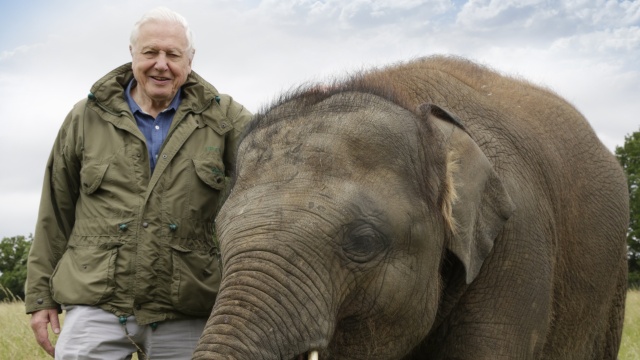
x=432 y=209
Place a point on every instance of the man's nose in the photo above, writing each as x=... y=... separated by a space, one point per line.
x=161 y=62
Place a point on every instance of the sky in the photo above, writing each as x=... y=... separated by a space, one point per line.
x=52 y=51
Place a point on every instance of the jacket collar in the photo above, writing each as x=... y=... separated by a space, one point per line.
x=109 y=90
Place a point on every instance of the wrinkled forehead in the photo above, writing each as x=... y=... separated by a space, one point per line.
x=341 y=134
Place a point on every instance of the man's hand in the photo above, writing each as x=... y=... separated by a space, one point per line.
x=39 y=322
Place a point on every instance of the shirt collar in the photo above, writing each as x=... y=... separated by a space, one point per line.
x=136 y=108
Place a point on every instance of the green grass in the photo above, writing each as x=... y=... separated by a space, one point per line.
x=18 y=343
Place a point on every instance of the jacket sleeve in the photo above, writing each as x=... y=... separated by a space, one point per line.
x=240 y=118
x=56 y=215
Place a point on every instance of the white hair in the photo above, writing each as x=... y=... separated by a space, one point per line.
x=163 y=14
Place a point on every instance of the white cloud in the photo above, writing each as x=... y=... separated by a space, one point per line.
x=542 y=21
x=586 y=50
x=603 y=42
x=605 y=13
x=483 y=14
x=338 y=17
x=8 y=54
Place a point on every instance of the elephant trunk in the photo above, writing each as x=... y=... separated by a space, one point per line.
x=269 y=307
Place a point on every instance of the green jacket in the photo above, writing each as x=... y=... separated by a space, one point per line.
x=113 y=235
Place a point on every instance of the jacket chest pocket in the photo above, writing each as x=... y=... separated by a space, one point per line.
x=91 y=177
x=210 y=172
x=208 y=182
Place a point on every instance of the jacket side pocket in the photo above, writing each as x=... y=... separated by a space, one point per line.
x=195 y=281
x=85 y=275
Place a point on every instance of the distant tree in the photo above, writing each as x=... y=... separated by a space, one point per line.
x=13 y=266
x=629 y=157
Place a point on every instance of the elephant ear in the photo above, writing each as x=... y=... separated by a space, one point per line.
x=475 y=203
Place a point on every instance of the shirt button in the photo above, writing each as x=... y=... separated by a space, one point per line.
x=40 y=301
x=157 y=127
x=145 y=224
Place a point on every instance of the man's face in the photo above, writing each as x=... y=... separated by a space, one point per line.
x=161 y=63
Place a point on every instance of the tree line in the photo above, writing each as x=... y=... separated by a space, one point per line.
x=13 y=266
x=629 y=157
x=14 y=250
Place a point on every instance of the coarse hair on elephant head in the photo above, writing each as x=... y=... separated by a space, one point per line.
x=344 y=204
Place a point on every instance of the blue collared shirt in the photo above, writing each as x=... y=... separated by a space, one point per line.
x=154 y=130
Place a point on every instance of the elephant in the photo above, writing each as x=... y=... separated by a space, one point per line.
x=432 y=208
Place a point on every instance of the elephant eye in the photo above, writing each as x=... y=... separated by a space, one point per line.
x=362 y=242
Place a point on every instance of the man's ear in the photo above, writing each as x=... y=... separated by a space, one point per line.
x=476 y=205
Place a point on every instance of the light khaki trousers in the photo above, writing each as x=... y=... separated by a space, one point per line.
x=92 y=333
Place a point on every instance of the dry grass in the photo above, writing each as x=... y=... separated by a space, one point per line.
x=630 y=348
x=18 y=343
x=16 y=338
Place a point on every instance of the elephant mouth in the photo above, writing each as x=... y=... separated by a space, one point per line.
x=309 y=355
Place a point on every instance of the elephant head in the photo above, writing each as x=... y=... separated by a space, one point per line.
x=344 y=207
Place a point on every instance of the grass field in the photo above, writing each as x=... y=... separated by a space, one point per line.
x=17 y=341
x=16 y=338
x=630 y=347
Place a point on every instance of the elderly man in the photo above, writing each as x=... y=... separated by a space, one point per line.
x=124 y=240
